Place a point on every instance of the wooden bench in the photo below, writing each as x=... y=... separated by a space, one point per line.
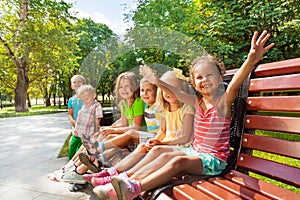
x=268 y=156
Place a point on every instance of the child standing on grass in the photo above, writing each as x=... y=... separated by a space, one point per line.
x=210 y=148
x=74 y=105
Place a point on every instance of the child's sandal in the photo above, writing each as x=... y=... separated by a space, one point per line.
x=86 y=161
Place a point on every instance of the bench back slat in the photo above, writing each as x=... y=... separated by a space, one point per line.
x=272 y=145
x=287 y=103
x=278 y=171
x=273 y=123
x=272 y=115
x=285 y=82
x=278 y=68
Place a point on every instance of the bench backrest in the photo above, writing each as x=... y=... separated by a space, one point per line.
x=271 y=139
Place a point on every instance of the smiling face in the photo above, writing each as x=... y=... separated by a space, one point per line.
x=148 y=93
x=124 y=89
x=77 y=82
x=206 y=78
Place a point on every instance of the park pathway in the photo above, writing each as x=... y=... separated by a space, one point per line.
x=28 y=153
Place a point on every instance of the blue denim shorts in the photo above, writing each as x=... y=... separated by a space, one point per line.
x=211 y=164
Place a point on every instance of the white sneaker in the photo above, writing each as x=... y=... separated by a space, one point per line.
x=72 y=177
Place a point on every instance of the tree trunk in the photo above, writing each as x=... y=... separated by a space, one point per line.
x=21 y=88
x=28 y=101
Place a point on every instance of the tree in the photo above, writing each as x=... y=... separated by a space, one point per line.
x=224 y=28
x=35 y=39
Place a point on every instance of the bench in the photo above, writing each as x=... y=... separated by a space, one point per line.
x=265 y=142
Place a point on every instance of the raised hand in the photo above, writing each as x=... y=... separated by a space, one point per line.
x=148 y=74
x=257 y=49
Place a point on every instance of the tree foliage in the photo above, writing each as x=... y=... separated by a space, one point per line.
x=225 y=28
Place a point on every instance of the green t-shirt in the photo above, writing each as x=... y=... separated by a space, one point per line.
x=136 y=109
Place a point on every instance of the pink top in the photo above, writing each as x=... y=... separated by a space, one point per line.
x=211 y=132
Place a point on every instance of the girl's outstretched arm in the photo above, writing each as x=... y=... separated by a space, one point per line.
x=255 y=54
x=182 y=96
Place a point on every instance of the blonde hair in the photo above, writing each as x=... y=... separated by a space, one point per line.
x=78 y=76
x=134 y=87
x=206 y=59
x=85 y=90
x=170 y=75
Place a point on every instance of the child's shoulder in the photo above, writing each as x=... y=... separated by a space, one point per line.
x=186 y=108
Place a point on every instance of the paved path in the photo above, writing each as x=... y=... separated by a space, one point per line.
x=28 y=153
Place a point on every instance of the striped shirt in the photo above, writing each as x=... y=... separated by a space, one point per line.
x=211 y=132
x=152 y=118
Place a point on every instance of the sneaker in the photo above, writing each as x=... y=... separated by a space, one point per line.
x=105 y=172
x=85 y=159
x=74 y=187
x=125 y=188
x=54 y=176
x=72 y=177
x=105 y=192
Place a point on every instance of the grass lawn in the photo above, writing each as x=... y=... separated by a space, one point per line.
x=34 y=110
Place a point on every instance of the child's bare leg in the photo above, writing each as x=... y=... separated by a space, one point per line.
x=81 y=169
x=134 y=157
x=122 y=139
x=191 y=164
x=150 y=167
x=150 y=156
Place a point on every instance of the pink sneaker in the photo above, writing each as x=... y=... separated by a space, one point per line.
x=105 y=192
x=125 y=188
x=103 y=173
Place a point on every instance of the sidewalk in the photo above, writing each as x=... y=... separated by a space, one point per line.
x=28 y=153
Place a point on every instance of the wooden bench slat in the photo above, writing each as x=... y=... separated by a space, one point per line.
x=279 y=67
x=273 y=123
x=237 y=189
x=187 y=192
x=286 y=82
x=287 y=103
x=272 y=145
x=214 y=191
x=260 y=186
x=278 y=171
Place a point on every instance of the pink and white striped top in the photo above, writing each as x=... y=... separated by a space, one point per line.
x=211 y=132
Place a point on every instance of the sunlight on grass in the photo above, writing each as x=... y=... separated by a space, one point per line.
x=34 y=110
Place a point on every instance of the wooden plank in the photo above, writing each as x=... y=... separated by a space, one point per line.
x=287 y=103
x=272 y=145
x=277 y=171
x=260 y=186
x=237 y=189
x=273 y=123
x=284 y=82
x=187 y=192
x=279 y=67
x=214 y=191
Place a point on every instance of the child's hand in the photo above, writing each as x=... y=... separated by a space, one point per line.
x=257 y=47
x=151 y=143
x=148 y=74
x=106 y=130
